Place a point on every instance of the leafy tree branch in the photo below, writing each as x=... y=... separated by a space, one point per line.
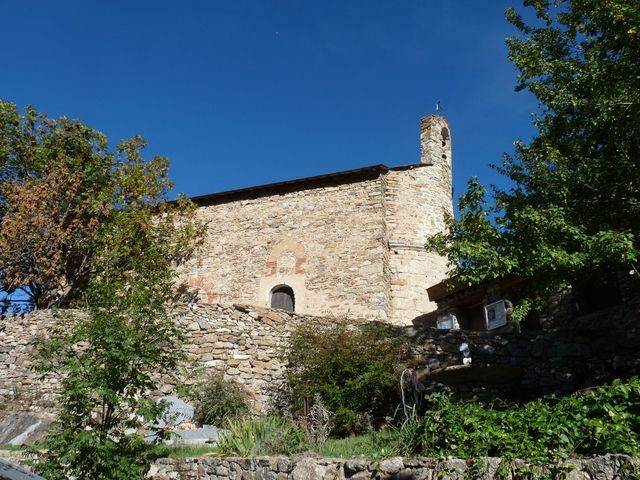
x=573 y=209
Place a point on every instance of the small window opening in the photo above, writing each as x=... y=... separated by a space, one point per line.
x=444 y=133
x=282 y=297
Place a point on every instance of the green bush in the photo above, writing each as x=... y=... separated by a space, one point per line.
x=262 y=436
x=605 y=420
x=217 y=399
x=355 y=370
x=94 y=457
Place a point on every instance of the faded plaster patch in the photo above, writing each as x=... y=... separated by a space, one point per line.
x=286 y=262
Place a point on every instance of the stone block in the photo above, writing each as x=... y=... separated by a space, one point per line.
x=351 y=467
x=307 y=469
x=391 y=465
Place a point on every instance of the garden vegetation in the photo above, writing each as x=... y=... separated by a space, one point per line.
x=353 y=370
x=83 y=225
x=603 y=420
x=217 y=400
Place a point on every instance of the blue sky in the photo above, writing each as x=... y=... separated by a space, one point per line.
x=247 y=92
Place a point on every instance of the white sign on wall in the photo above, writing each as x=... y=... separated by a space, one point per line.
x=495 y=315
x=447 y=321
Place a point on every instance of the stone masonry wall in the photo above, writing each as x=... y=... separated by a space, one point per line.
x=348 y=244
x=412 y=268
x=565 y=356
x=327 y=243
x=417 y=201
x=20 y=387
x=247 y=343
x=606 y=467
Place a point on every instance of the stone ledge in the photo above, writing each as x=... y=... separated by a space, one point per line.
x=606 y=467
x=303 y=467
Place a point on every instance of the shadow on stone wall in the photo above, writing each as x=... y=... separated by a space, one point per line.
x=560 y=358
x=247 y=344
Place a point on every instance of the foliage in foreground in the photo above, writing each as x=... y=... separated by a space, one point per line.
x=280 y=436
x=217 y=400
x=63 y=193
x=572 y=212
x=354 y=370
x=270 y=435
x=605 y=420
x=110 y=356
x=374 y=445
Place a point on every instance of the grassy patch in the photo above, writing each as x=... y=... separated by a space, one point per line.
x=372 y=446
x=12 y=447
x=184 y=451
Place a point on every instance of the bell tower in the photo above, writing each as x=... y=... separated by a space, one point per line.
x=418 y=198
x=435 y=141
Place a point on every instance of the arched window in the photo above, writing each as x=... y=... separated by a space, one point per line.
x=444 y=133
x=282 y=297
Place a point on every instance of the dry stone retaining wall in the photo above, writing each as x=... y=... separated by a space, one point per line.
x=563 y=357
x=608 y=467
x=21 y=389
x=247 y=344
x=605 y=467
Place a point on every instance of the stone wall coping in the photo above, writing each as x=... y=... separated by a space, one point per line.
x=311 y=467
x=344 y=176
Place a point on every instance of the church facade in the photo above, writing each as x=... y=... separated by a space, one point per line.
x=344 y=244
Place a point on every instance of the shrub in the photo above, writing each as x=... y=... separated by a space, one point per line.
x=262 y=436
x=217 y=400
x=317 y=424
x=605 y=420
x=353 y=369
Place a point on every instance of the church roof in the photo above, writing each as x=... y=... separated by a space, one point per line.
x=317 y=181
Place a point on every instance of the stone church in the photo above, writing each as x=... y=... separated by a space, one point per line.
x=348 y=243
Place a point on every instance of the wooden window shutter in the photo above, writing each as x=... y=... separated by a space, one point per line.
x=283 y=298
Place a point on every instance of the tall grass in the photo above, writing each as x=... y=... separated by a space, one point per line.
x=262 y=436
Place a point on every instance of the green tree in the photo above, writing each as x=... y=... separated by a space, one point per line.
x=61 y=188
x=84 y=225
x=110 y=356
x=573 y=209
